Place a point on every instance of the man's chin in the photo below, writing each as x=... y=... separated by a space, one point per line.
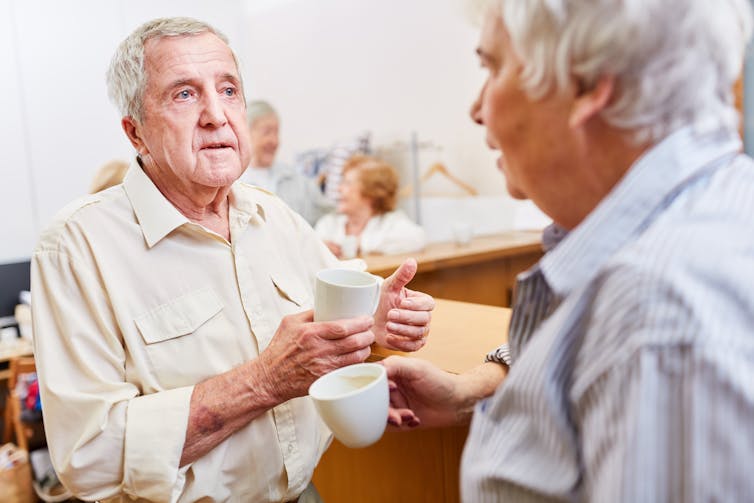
x=221 y=174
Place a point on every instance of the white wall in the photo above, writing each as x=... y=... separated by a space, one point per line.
x=16 y=206
x=334 y=68
x=59 y=125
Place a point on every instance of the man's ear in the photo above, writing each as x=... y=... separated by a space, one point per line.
x=588 y=104
x=133 y=131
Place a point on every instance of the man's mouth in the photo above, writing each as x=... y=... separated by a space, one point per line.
x=217 y=145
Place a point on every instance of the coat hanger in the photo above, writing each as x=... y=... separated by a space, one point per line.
x=441 y=169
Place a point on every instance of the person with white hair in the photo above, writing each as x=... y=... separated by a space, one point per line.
x=173 y=330
x=631 y=360
x=295 y=189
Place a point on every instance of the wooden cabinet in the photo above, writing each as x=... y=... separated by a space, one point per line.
x=483 y=272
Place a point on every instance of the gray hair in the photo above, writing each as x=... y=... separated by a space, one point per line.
x=675 y=62
x=126 y=76
x=258 y=109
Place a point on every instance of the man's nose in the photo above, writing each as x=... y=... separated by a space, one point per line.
x=213 y=112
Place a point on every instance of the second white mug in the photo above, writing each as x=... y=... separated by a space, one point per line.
x=345 y=293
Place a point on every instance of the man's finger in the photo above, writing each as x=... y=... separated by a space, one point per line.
x=406 y=317
x=417 y=301
x=354 y=342
x=404 y=344
x=400 y=278
x=338 y=329
x=407 y=331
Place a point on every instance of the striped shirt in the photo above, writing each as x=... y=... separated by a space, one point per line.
x=633 y=345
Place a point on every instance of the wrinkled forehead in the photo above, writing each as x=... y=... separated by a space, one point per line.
x=183 y=53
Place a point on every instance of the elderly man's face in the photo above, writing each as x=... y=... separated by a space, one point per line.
x=264 y=140
x=194 y=127
x=532 y=136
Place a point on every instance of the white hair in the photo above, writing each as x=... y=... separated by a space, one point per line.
x=258 y=109
x=126 y=76
x=675 y=61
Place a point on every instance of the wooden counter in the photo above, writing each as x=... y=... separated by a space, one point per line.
x=461 y=334
x=421 y=465
x=19 y=347
x=483 y=271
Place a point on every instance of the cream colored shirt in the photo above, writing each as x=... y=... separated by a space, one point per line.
x=133 y=305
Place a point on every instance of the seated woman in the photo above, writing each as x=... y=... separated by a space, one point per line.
x=366 y=213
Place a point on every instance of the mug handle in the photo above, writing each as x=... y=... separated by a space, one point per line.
x=377 y=290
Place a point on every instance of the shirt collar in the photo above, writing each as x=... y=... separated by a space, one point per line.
x=158 y=217
x=245 y=204
x=658 y=174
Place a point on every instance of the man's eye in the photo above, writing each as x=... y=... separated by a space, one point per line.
x=229 y=91
x=184 y=94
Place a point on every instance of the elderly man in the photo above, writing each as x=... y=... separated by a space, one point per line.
x=298 y=191
x=632 y=340
x=174 y=340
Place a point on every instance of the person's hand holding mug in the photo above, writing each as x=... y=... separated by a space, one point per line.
x=302 y=350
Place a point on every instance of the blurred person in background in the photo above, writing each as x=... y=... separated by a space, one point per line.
x=111 y=173
x=298 y=191
x=631 y=357
x=366 y=213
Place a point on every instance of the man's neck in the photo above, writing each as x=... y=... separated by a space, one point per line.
x=206 y=206
x=212 y=212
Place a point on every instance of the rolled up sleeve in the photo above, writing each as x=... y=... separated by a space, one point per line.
x=155 y=433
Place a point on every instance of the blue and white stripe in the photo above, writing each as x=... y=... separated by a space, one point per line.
x=633 y=345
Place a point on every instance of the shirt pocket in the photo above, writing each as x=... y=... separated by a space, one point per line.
x=189 y=339
x=293 y=290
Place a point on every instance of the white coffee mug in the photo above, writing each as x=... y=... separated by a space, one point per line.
x=345 y=293
x=462 y=232
x=353 y=402
x=349 y=248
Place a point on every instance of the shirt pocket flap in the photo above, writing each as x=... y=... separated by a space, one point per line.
x=180 y=316
x=291 y=289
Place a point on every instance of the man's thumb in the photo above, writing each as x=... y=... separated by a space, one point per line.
x=402 y=275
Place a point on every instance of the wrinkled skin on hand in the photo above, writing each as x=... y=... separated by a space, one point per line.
x=422 y=394
x=403 y=316
x=302 y=350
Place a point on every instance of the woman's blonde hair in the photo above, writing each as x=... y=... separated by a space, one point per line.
x=111 y=173
x=378 y=181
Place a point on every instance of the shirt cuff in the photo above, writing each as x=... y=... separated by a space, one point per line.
x=155 y=434
x=500 y=355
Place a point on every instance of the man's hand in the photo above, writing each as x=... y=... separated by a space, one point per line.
x=422 y=394
x=402 y=318
x=302 y=350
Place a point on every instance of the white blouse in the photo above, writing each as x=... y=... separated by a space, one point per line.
x=390 y=233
